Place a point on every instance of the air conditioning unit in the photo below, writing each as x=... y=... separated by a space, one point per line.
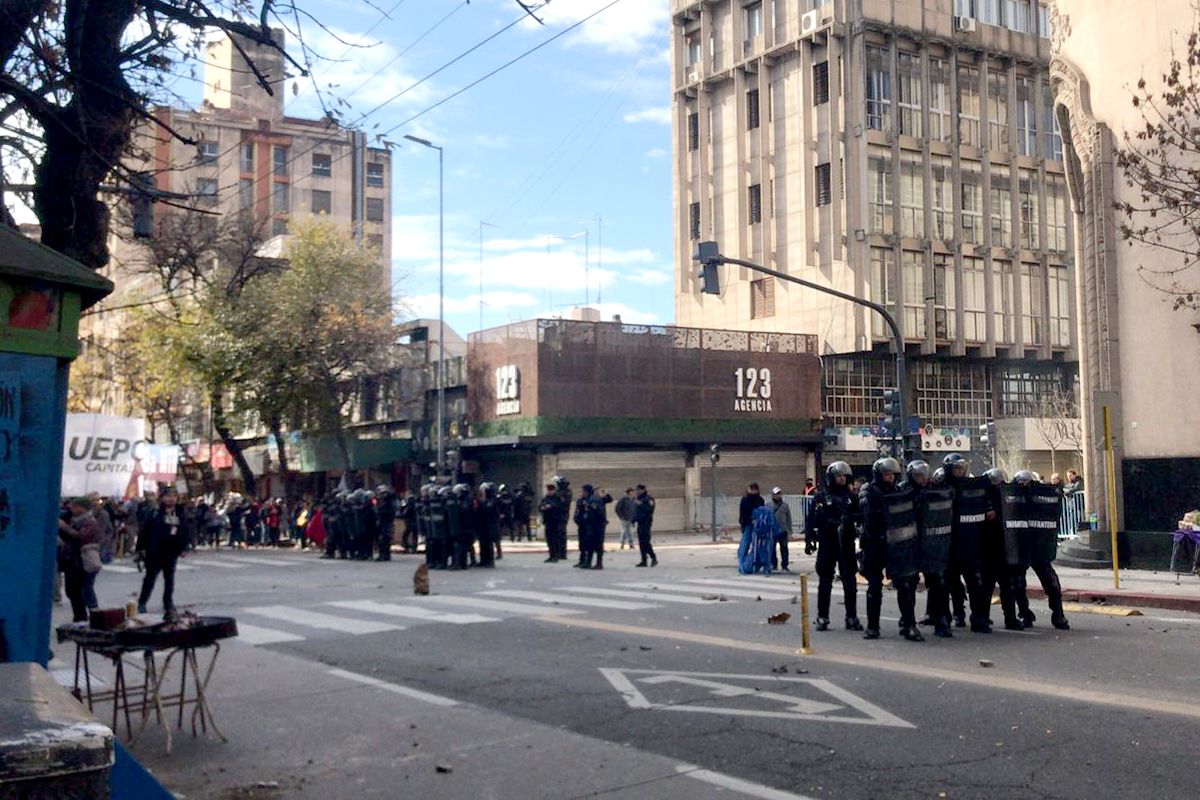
x=966 y=24
x=810 y=22
x=693 y=75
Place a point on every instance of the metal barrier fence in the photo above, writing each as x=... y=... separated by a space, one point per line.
x=1074 y=514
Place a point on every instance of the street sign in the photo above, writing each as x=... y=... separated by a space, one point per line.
x=770 y=697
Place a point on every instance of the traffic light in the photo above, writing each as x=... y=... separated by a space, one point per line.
x=141 y=201
x=714 y=453
x=709 y=256
x=987 y=434
x=892 y=423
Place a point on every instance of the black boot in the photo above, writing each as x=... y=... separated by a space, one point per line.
x=1059 y=620
x=654 y=561
x=912 y=634
x=642 y=563
x=599 y=561
x=852 y=624
x=822 y=624
x=1013 y=623
x=872 y=633
x=941 y=629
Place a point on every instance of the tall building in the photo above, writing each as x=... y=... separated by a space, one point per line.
x=903 y=151
x=250 y=157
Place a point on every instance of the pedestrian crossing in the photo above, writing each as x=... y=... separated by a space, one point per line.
x=282 y=624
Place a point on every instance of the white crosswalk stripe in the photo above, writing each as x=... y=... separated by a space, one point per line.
x=547 y=597
x=663 y=597
x=218 y=564
x=253 y=561
x=489 y=605
x=254 y=635
x=125 y=569
x=710 y=588
x=770 y=584
x=315 y=619
x=411 y=612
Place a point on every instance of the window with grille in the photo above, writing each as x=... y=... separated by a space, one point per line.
x=908 y=93
x=824 y=185
x=693 y=133
x=756 y=203
x=246 y=157
x=752 y=109
x=374 y=174
x=322 y=201
x=694 y=221
x=1023 y=391
x=968 y=106
x=762 y=298
x=821 y=83
x=952 y=394
x=852 y=387
x=879 y=89
x=322 y=165
x=939 y=100
x=374 y=209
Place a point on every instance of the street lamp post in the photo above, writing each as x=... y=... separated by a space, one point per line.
x=709 y=256
x=441 y=367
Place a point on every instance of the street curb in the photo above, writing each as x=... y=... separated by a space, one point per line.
x=1164 y=601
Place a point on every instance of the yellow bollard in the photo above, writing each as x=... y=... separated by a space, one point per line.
x=805 y=649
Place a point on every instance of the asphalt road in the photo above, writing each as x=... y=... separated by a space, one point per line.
x=539 y=680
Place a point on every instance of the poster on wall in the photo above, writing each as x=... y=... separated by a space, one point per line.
x=109 y=455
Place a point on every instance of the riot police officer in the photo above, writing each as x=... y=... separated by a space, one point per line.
x=933 y=508
x=873 y=499
x=1038 y=552
x=438 y=542
x=487 y=524
x=997 y=570
x=831 y=531
x=974 y=512
x=385 y=520
x=504 y=497
x=548 y=508
x=522 y=505
x=564 y=510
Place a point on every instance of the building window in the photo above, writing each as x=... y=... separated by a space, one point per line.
x=322 y=165
x=997 y=110
x=974 y=300
x=279 y=156
x=1001 y=199
x=912 y=274
x=964 y=8
x=944 y=317
x=972 y=207
x=279 y=227
x=939 y=100
x=694 y=221
x=1060 y=307
x=693 y=132
x=883 y=285
x=1002 y=301
x=852 y=385
x=824 y=186
x=879 y=89
x=246 y=193
x=322 y=201
x=762 y=298
x=692 y=44
x=1056 y=213
x=755 y=204
x=912 y=196
x=375 y=242
x=206 y=191
x=952 y=394
x=246 y=157
x=879 y=188
x=821 y=83
x=281 y=198
x=1052 y=136
x=1018 y=15
x=968 y=106
x=1028 y=199
x=942 y=191
x=374 y=209
x=908 y=93
x=752 y=109
x=1026 y=118
x=754 y=21
x=988 y=11
x=1032 y=322
x=1023 y=391
x=207 y=152
x=375 y=174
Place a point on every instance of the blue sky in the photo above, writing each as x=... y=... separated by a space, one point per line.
x=578 y=130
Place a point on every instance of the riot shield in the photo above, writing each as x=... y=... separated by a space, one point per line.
x=971 y=504
x=1041 y=536
x=903 y=545
x=936 y=522
x=1015 y=512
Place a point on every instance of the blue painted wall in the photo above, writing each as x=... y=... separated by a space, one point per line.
x=33 y=398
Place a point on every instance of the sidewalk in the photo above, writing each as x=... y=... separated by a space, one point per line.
x=1139 y=588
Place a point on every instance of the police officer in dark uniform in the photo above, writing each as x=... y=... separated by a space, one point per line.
x=973 y=514
x=385 y=520
x=487 y=524
x=583 y=526
x=438 y=542
x=884 y=475
x=643 y=518
x=408 y=512
x=933 y=509
x=505 y=498
x=830 y=531
x=1040 y=560
x=996 y=568
x=548 y=508
x=522 y=506
x=367 y=523
x=564 y=512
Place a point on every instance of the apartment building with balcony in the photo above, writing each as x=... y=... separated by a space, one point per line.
x=904 y=151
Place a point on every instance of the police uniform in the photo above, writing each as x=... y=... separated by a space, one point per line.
x=831 y=531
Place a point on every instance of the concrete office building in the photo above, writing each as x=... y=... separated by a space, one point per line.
x=904 y=151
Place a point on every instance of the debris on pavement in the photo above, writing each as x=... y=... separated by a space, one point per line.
x=442 y=769
x=421 y=580
x=778 y=619
x=986 y=662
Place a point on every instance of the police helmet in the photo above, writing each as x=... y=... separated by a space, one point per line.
x=560 y=481
x=587 y=488
x=919 y=472
x=502 y=488
x=383 y=489
x=1023 y=478
x=886 y=466
x=461 y=489
x=939 y=476
x=996 y=475
x=956 y=464
x=835 y=469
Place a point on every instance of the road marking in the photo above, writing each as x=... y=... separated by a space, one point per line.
x=119 y=568
x=546 y=597
x=268 y=560
x=315 y=619
x=991 y=680
x=411 y=612
x=770 y=584
x=255 y=636
x=395 y=688
x=219 y=564
x=487 y=604
x=738 y=785
x=631 y=682
x=729 y=589
x=653 y=596
x=1185 y=620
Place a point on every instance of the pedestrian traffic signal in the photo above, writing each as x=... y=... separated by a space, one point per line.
x=714 y=453
x=987 y=434
x=892 y=422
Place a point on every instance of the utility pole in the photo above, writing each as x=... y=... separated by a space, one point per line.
x=714 y=455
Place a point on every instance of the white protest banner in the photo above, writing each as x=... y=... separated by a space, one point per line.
x=101 y=454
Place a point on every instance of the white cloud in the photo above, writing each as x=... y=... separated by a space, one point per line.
x=626 y=27
x=656 y=153
x=426 y=305
x=650 y=277
x=660 y=115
